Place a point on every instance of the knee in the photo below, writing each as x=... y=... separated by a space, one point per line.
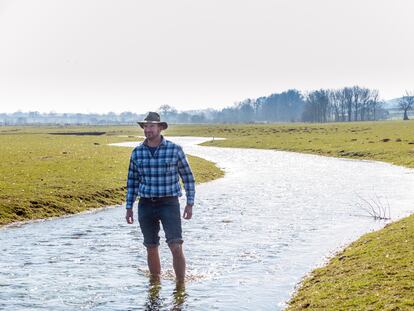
x=176 y=248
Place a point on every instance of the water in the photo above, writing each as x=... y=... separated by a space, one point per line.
x=254 y=234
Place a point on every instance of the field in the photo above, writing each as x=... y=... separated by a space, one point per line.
x=46 y=175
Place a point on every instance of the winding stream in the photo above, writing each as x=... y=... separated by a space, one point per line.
x=254 y=234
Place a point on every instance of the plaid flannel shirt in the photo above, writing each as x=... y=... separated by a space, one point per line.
x=158 y=175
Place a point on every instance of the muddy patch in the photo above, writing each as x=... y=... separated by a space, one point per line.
x=79 y=133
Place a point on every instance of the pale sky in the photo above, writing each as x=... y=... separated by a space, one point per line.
x=124 y=55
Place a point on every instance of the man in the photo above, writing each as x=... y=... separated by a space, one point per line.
x=154 y=171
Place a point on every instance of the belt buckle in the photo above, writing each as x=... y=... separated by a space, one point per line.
x=153 y=199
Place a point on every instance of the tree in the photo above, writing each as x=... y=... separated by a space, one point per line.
x=365 y=97
x=246 y=111
x=374 y=104
x=335 y=100
x=282 y=107
x=316 y=107
x=406 y=103
x=348 y=95
x=168 y=113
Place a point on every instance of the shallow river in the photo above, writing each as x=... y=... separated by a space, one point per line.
x=254 y=234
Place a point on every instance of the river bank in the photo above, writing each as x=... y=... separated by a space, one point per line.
x=373 y=273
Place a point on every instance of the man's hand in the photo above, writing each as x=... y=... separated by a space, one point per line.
x=129 y=216
x=188 y=211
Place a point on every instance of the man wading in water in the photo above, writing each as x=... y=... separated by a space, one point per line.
x=154 y=170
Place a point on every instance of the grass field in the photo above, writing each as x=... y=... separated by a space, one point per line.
x=46 y=175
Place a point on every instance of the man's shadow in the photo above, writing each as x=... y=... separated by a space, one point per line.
x=155 y=302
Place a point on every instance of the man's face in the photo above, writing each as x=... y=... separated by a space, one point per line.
x=152 y=131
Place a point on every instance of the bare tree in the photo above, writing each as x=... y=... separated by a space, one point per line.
x=348 y=96
x=357 y=92
x=316 y=106
x=365 y=97
x=341 y=96
x=335 y=100
x=374 y=104
x=406 y=103
x=168 y=113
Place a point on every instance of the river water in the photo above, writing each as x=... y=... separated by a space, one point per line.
x=254 y=234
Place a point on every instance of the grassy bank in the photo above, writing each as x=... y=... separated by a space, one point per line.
x=45 y=175
x=376 y=272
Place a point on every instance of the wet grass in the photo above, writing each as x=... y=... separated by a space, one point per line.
x=47 y=175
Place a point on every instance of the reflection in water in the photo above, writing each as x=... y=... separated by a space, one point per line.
x=180 y=297
x=155 y=302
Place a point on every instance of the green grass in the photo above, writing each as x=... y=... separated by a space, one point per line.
x=45 y=175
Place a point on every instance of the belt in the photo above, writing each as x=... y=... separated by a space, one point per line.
x=158 y=199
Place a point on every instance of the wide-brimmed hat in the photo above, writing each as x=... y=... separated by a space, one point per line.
x=152 y=118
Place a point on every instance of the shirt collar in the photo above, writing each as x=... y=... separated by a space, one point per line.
x=161 y=143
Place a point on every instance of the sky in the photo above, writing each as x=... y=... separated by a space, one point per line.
x=132 y=55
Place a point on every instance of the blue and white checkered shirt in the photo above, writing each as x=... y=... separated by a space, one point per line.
x=158 y=175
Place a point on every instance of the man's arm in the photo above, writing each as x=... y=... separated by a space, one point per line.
x=189 y=183
x=132 y=190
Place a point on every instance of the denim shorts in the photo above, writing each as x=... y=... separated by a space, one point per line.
x=166 y=211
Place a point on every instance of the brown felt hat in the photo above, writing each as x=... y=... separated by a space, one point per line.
x=152 y=118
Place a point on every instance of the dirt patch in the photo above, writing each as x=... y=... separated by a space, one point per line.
x=79 y=133
x=357 y=154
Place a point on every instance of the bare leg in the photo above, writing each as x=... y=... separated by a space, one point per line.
x=178 y=261
x=154 y=263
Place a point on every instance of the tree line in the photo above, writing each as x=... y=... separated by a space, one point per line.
x=283 y=107
x=343 y=105
x=35 y=117
x=325 y=105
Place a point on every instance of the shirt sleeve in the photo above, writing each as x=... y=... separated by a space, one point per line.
x=187 y=176
x=132 y=183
